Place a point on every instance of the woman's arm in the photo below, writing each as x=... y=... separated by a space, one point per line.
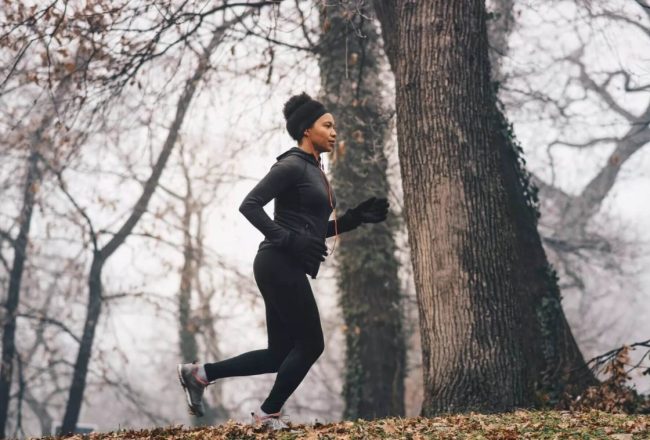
x=281 y=176
x=346 y=223
x=373 y=210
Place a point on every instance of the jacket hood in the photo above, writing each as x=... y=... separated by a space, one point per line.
x=295 y=151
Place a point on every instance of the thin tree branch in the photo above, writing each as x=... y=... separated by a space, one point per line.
x=590 y=84
x=5 y=235
x=52 y=321
x=172 y=135
x=79 y=209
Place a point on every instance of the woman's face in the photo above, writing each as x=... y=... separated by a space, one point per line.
x=322 y=134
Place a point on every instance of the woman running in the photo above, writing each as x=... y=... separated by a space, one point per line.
x=294 y=245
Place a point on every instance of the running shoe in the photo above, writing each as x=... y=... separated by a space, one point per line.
x=193 y=385
x=274 y=422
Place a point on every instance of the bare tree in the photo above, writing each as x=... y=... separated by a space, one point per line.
x=595 y=105
x=118 y=43
x=38 y=140
x=9 y=326
x=197 y=322
x=101 y=255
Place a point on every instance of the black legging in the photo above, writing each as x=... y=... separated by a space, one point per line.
x=295 y=336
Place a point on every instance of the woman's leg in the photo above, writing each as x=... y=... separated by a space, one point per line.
x=295 y=336
x=254 y=362
x=280 y=342
x=293 y=302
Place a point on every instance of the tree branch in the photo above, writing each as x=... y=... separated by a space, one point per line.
x=551 y=191
x=590 y=84
x=592 y=196
x=79 y=209
x=52 y=321
x=172 y=135
x=5 y=235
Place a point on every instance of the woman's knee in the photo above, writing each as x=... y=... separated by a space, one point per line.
x=279 y=354
x=313 y=347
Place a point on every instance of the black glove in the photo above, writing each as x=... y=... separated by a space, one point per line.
x=373 y=210
x=307 y=249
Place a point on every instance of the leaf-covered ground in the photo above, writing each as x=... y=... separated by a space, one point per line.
x=520 y=424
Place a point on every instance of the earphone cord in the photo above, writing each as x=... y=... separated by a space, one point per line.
x=329 y=193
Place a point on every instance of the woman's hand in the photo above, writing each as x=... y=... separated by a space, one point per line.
x=373 y=210
x=307 y=249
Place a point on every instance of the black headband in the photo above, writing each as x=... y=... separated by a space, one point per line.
x=303 y=117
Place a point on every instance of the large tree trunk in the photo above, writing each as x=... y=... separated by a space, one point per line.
x=485 y=290
x=462 y=238
x=32 y=181
x=100 y=256
x=367 y=279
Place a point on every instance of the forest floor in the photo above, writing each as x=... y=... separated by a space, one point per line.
x=521 y=424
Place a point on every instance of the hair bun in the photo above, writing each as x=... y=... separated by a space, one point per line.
x=301 y=111
x=293 y=103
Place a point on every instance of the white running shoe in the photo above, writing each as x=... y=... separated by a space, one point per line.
x=274 y=422
x=193 y=385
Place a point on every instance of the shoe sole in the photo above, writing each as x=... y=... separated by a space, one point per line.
x=193 y=411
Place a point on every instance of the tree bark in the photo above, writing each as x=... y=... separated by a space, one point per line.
x=462 y=240
x=485 y=290
x=367 y=279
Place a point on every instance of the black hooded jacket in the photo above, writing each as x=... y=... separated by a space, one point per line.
x=302 y=203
